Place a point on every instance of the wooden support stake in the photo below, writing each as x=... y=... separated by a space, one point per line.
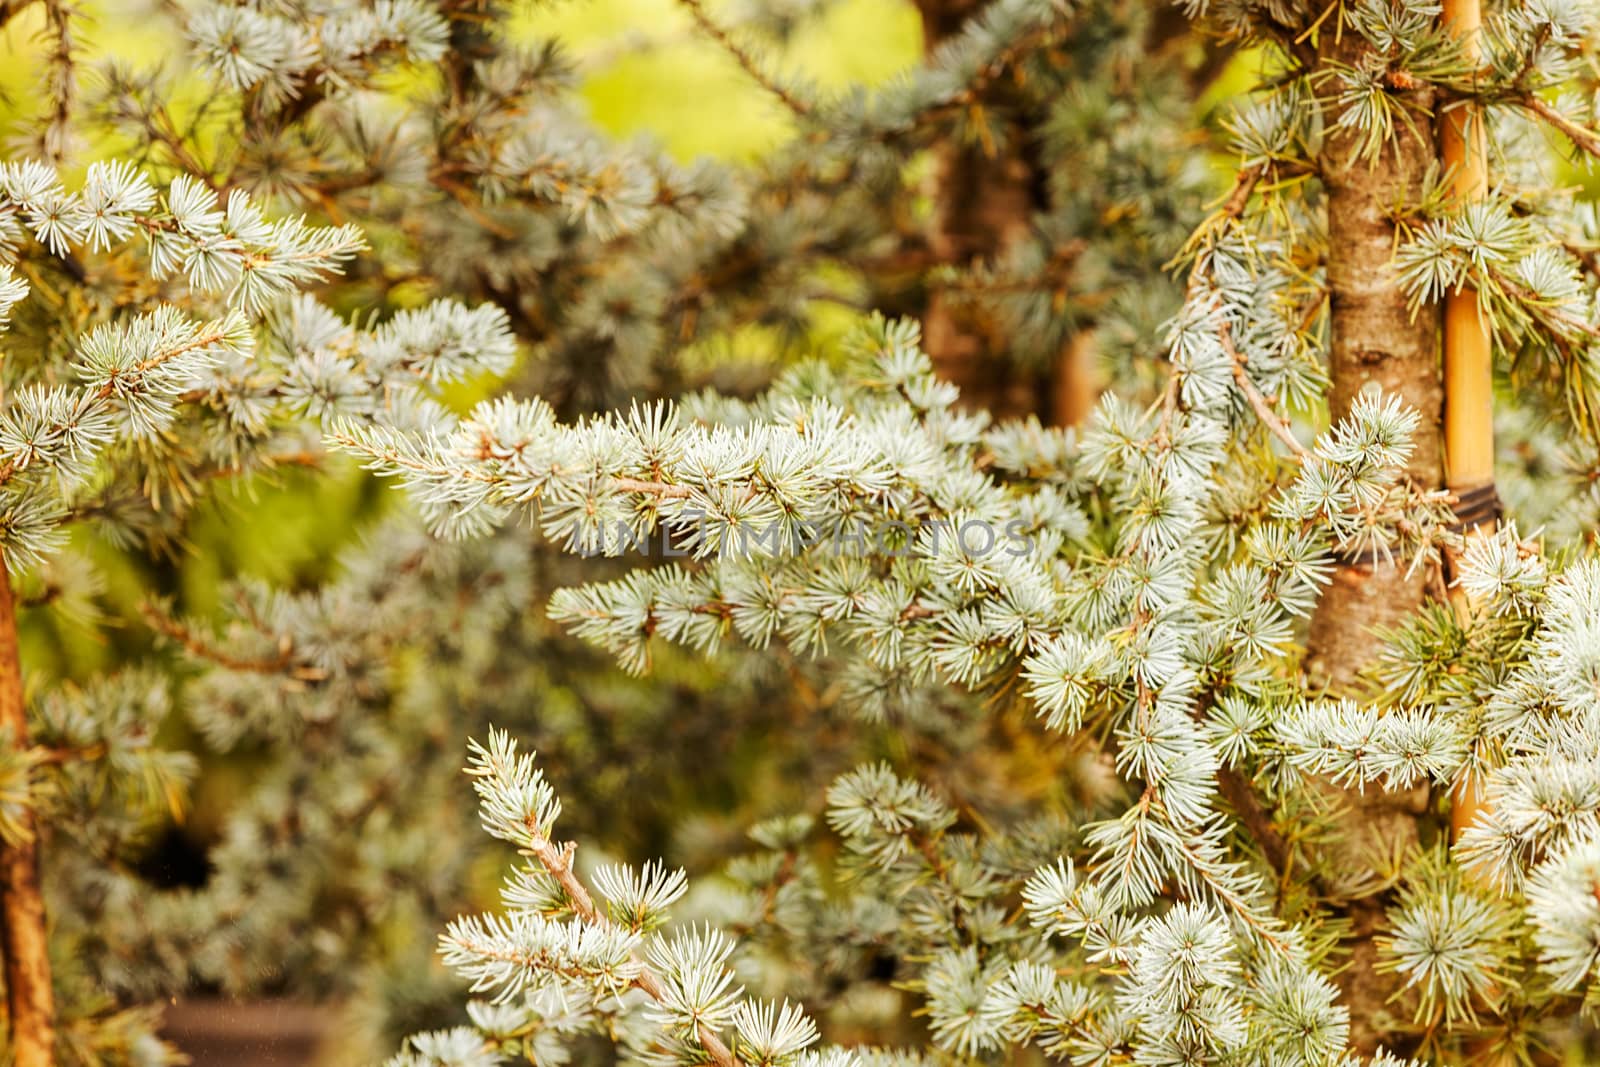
x=1468 y=351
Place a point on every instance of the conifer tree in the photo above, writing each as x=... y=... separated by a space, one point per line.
x=1287 y=807
x=155 y=345
x=601 y=253
x=609 y=258
x=1346 y=720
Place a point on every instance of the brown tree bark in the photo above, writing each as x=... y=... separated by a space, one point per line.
x=30 y=999
x=981 y=207
x=1375 y=340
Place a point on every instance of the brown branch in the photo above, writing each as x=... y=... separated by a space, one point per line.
x=59 y=756
x=1169 y=406
x=10 y=9
x=1552 y=316
x=1233 y=899
x=1241 y=797
x=146 y=366
x=635 y=485
x=1230 y=209
x=469 y=202
x=1244 y=184
x=1584 y=254
x=742 y=56
x=163 y=131
x=1032 y=43
x=30 y=998
x=1258 y=403
x=621 y=485
x=557 y=860
x=268 y=462
x=61 y=81
x=9 y=468
x=47 y=594
x=1578 y=134
x=285 y=662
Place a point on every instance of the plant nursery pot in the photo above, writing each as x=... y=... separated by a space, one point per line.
x=214 y=1032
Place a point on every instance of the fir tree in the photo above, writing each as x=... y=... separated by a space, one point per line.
x=156 y=345
x=485 y=183
x=607 y=259
x=1281 y=790
x=1344 y=718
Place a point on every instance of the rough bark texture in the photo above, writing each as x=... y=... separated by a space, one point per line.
x=30 y=998
x=1375 y=340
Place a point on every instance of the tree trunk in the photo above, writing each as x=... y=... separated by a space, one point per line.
x=29 y=996
x=983 y=205
x=262 y=1033
x=1375 y=340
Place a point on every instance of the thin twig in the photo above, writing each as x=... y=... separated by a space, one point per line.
x=742 y=56
x=285 y=662
x=1258 y=403
x=557 y=860
x=10 y=467
x=1244 y=184
x=1231 y=208
x=411 y=463
x=636 y=485
x=68 y=754
x=163 y=131
x=1578 y=134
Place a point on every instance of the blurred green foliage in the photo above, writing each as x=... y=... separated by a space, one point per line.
x=645 y=74
x=289 y=528
x=657 y=77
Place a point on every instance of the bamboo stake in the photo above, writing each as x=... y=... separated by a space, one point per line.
x=1468 y=355
x=29 y=995
x=1076 y=388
